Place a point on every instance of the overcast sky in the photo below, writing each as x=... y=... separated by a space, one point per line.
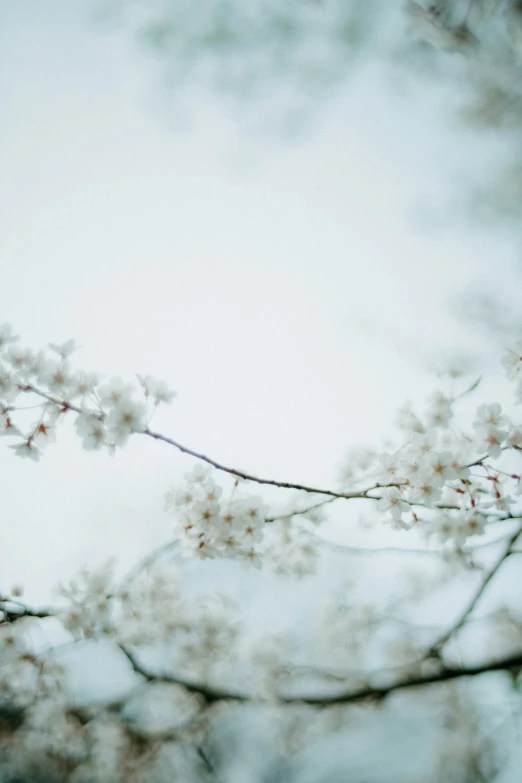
x=293 y=291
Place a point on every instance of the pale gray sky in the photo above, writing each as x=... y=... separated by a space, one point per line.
x=285 y=288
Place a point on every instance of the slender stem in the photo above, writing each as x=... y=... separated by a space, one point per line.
x=214 y=463
x=507 y=551
x=250 y=477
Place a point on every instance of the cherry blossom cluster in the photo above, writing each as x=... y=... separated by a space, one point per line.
x=444 y=481
x=209 y=525
x=147 y=608
x=107 y=412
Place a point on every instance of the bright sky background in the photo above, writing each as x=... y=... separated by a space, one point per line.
x=292 y=290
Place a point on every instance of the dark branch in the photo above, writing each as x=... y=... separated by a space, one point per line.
x=209 y=693
x=444 y=674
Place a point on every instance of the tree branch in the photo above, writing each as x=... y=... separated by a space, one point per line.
x=507 y=551
x=444 y=674
x=214 y=463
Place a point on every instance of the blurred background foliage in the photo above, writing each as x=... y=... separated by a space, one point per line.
x=279 y=64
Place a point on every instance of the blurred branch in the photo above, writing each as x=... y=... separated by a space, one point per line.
x=369 y=692
x=508 y=550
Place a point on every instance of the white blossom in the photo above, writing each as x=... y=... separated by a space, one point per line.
x=159 y=391
x=27 y=450
x=390 y=469
x=64 y=349
x=514 y=437
x=92 y=430
x=439 y=412
x=198 y=473
x=127 y=416
x=8 y=390
x=6 y=335
x=425 y=490
x=512 y=361
x=490 y=440
x=83 y=384
x=6 y=425
x=393 y=501
x=114 y=391
x=440 y=466
x=56 y=377
x=489 y=416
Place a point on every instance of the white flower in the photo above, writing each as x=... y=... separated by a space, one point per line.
x=27 y=450
x=500 y=502
x=6 y=425
x=18 y=358
x=83 y=384
x=489 y=416
x=92 y=430
x=209 y=491
x=423 y=442
x=44 y=432
x=64 y=349
x=253 y=509
x=204 y=513
x=459 y=468
x=393 y=501
x=425 y=491
x=389 y=472
x=38 y=365
x=183 y=497
x=439 y=413
x=457 y=527
x=199 y=547
x=412 y=463
x=198 y=474
x=6 y=335
x=249 y=532
x=512 y=361
x=227 y=542
x=126 y=417
x=113 y=391
x=158 y=390
x=56 y=377
x=8 y=389
x=439 y=464
x=490 y=440
x=514 y=437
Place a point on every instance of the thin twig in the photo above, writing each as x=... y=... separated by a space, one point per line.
x=508 y=550
x=362 y=494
